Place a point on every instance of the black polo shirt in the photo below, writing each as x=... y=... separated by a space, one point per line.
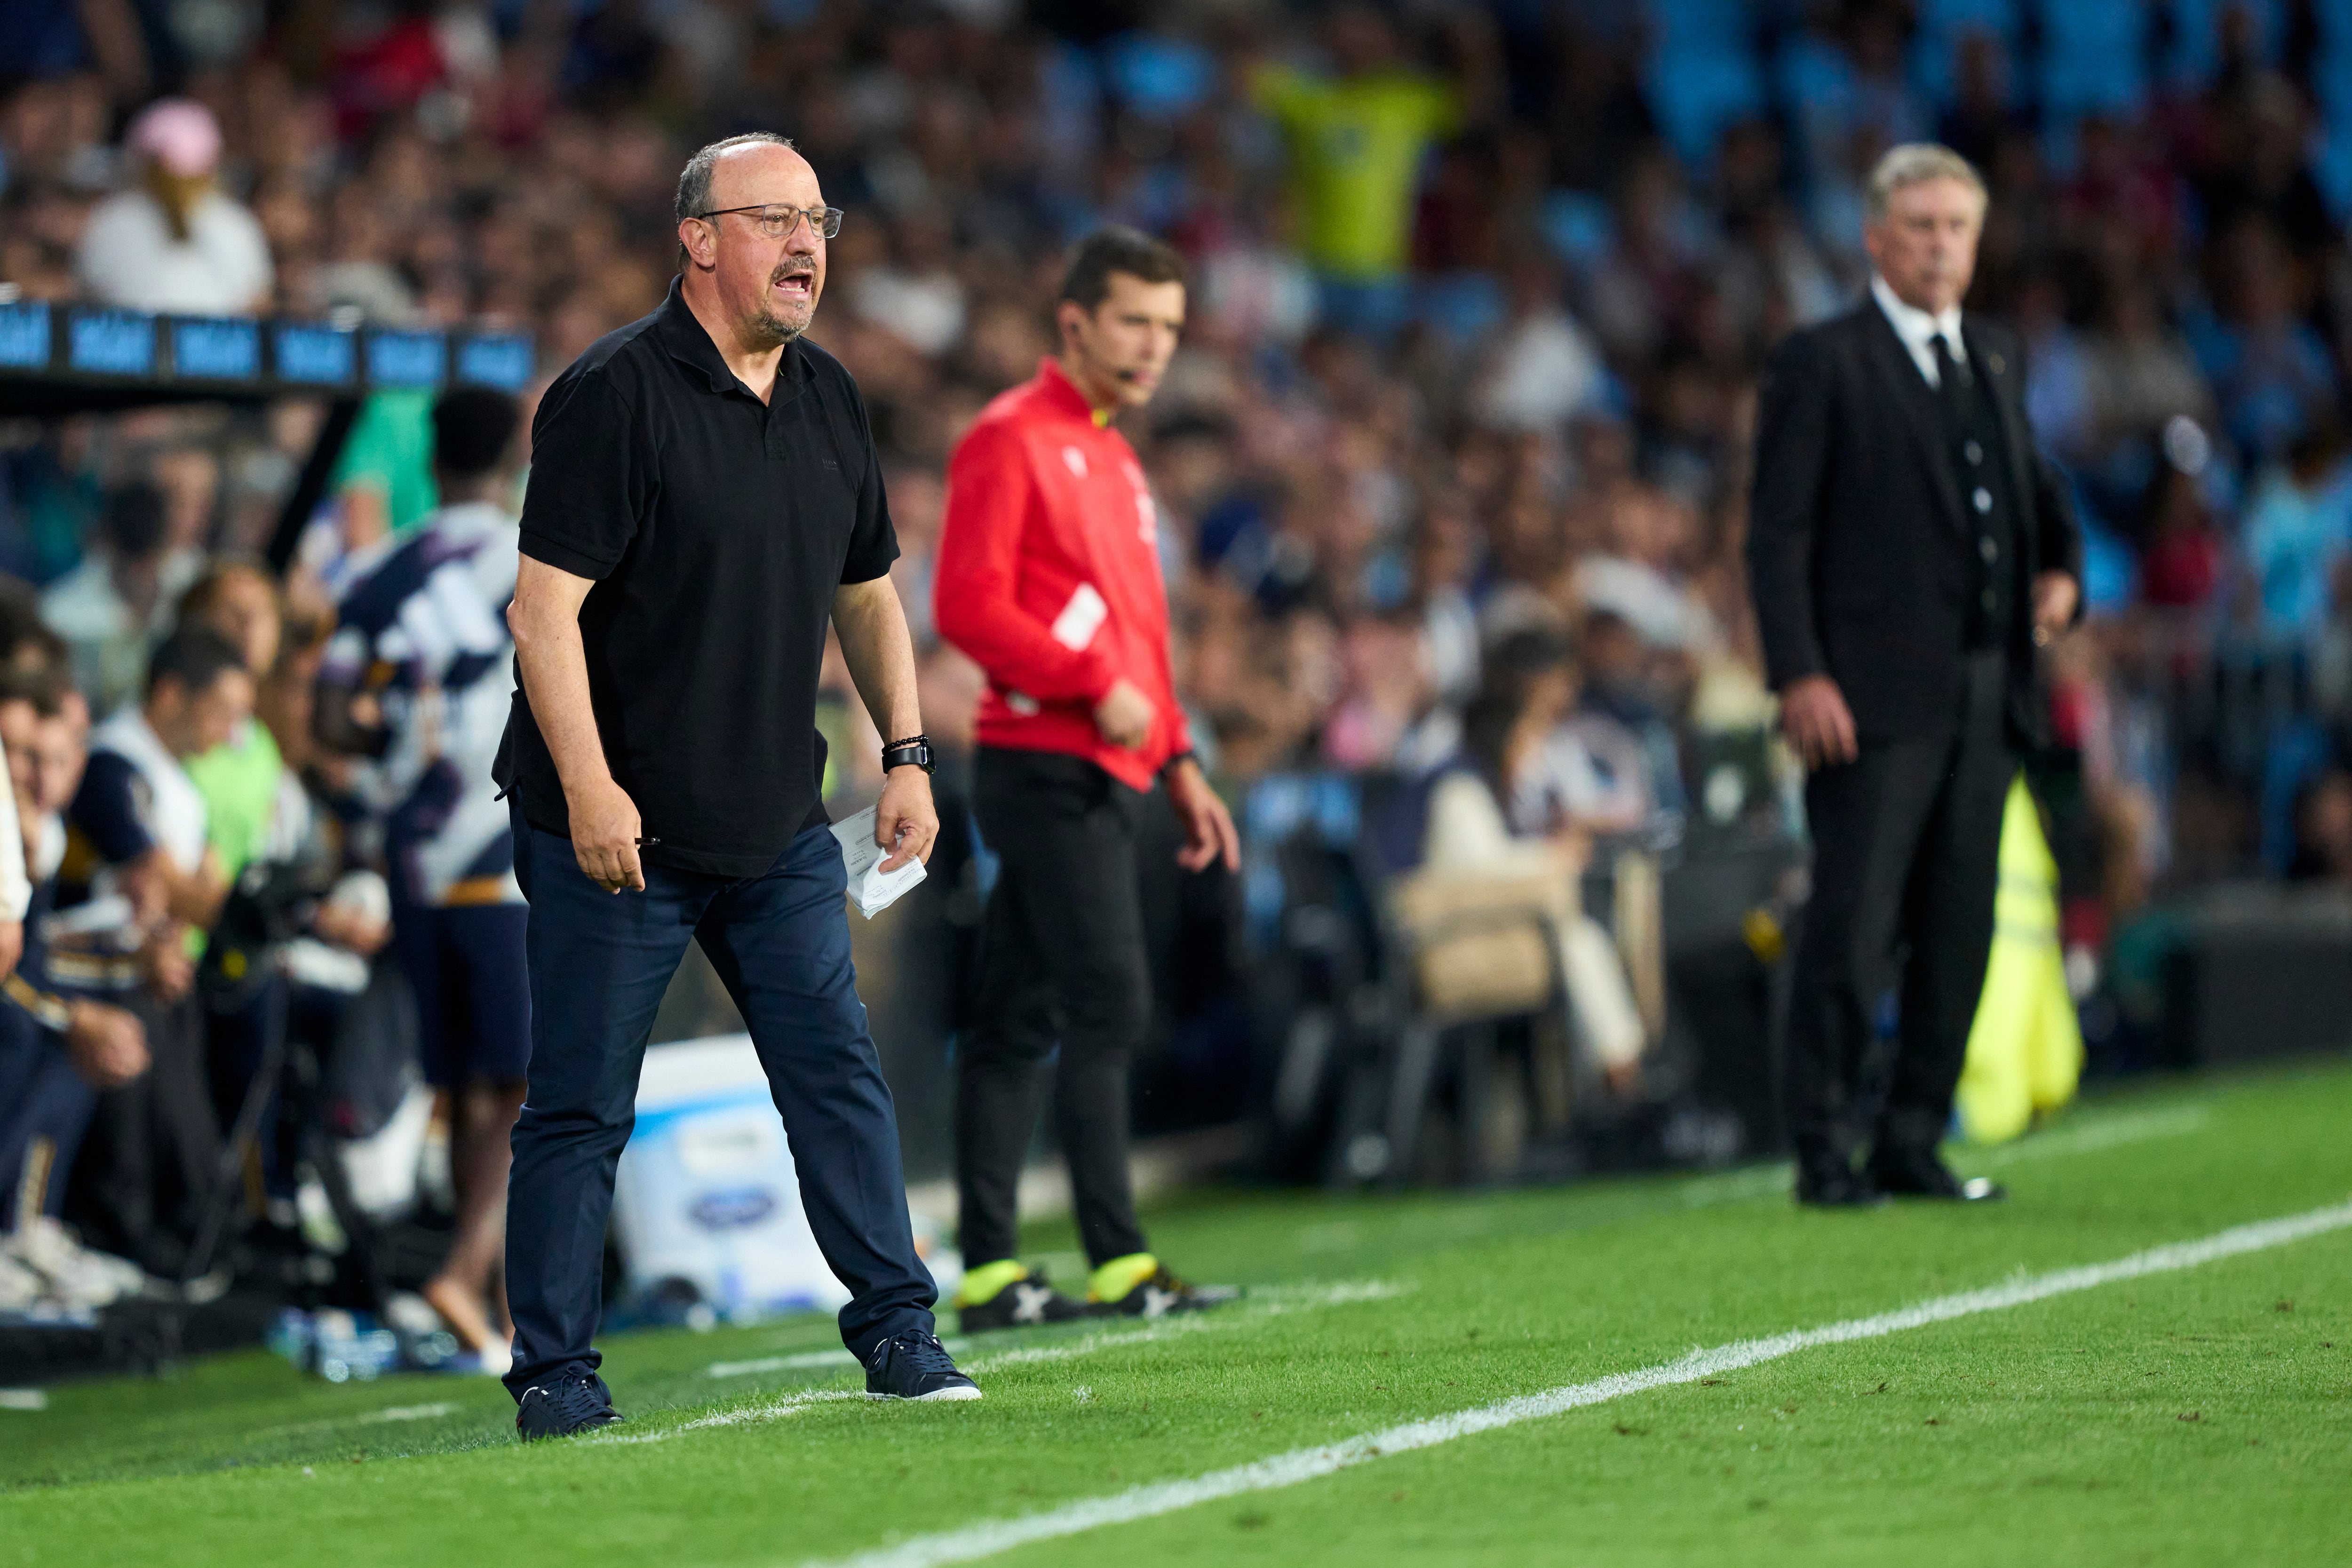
x=716 y=528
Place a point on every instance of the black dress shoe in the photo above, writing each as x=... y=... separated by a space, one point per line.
x=1919 y=1173
x=1833 y=1187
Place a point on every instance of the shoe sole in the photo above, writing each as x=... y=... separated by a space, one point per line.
x=936 y=1396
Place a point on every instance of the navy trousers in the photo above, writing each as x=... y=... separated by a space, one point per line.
x=43 y=1105
x=599 y=964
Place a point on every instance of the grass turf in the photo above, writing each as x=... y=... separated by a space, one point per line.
x=2189 y=1418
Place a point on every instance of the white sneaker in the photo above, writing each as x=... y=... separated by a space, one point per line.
x=75 y=1274
x=21 y=1289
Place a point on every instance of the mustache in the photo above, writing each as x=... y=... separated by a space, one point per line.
x=793 y=269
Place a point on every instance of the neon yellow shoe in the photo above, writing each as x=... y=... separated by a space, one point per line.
x=1137 y=1286
x=1010 y=1295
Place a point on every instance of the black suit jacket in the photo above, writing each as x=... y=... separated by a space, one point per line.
x=1860 y=553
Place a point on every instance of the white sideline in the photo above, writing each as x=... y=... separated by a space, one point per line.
x=1271 y=1301
x=993 y=1536
x=1264 y=1301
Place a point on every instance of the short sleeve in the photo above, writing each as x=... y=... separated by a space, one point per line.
x=872 y=542
x=589 y=480
x=106 y=809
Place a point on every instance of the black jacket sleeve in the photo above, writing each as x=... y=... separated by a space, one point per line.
x=1792 y=455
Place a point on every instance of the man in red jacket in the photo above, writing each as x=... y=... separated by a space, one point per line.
x=1048 y=575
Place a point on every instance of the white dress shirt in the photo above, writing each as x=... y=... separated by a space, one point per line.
x=1919 y=329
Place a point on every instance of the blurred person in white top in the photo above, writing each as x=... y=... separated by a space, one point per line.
x=175 y=242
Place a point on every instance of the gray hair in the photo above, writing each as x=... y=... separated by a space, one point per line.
x=1914 y=164
x=694 y=180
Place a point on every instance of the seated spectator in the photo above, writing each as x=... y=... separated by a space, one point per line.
x=1516 y=797
x=2180 y=564
x=2141 y=374
x=2298 y=524
x=56 y=1052
x=2270 y=371
x=1543 y=369
x=255 y=810
x=244 y=781
x=137 y=823
x=113 y=607
x=176 y=242
x=1639 y=576
x=416 y=676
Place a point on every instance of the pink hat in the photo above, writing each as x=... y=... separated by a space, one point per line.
x=179 y=133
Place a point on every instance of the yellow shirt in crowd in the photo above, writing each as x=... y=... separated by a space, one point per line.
x=1356 y=149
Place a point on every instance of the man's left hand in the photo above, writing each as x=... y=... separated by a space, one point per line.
x=2054 y=595
x=1208 y=827
x=906 y=823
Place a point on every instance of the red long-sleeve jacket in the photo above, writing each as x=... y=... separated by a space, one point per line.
x=1048 y=575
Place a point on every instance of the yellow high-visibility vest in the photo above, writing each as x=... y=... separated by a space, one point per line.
x=2025 y=1048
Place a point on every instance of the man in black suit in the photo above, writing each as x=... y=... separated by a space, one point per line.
x=1909 y=548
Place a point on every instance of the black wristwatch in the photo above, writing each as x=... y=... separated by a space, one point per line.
x=915 y=750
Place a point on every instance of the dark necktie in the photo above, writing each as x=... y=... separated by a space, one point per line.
x=1951 y=381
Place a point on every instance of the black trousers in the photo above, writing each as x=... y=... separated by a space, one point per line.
x=153 y=1148
x=1906 y=856
x=1062 y=962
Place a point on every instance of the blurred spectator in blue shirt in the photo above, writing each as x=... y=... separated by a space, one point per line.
x=2299 y=524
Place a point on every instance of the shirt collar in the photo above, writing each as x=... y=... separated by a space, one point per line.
x=689 y=343
x=1064 y=394
x=1915 y=327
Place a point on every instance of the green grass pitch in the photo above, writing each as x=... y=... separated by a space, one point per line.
x=2202 y=1415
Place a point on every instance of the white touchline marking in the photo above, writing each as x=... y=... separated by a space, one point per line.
x=1268 y=1301
x=770 y=1410
x=365 y=1418
x=412 y=1413
x=779 y=1364
x=991 y=1536
x=1264 y=1301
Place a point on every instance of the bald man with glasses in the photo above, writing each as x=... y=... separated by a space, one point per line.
x=705 y=500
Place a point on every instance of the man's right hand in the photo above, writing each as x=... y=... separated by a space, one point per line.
x=604 y=832
x=170 y=973
x=107 y=1046
x=1818 y=723
x=1125 y=715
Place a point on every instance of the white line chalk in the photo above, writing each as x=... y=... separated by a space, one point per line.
x=990 y=1537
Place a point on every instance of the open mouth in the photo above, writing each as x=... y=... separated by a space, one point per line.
x=795 y=285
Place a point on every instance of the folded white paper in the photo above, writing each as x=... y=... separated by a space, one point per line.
x=871 y=888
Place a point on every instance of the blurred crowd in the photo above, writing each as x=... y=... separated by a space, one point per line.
x=1479 y=296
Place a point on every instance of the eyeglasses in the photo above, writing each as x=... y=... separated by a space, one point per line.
x=777 y=223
